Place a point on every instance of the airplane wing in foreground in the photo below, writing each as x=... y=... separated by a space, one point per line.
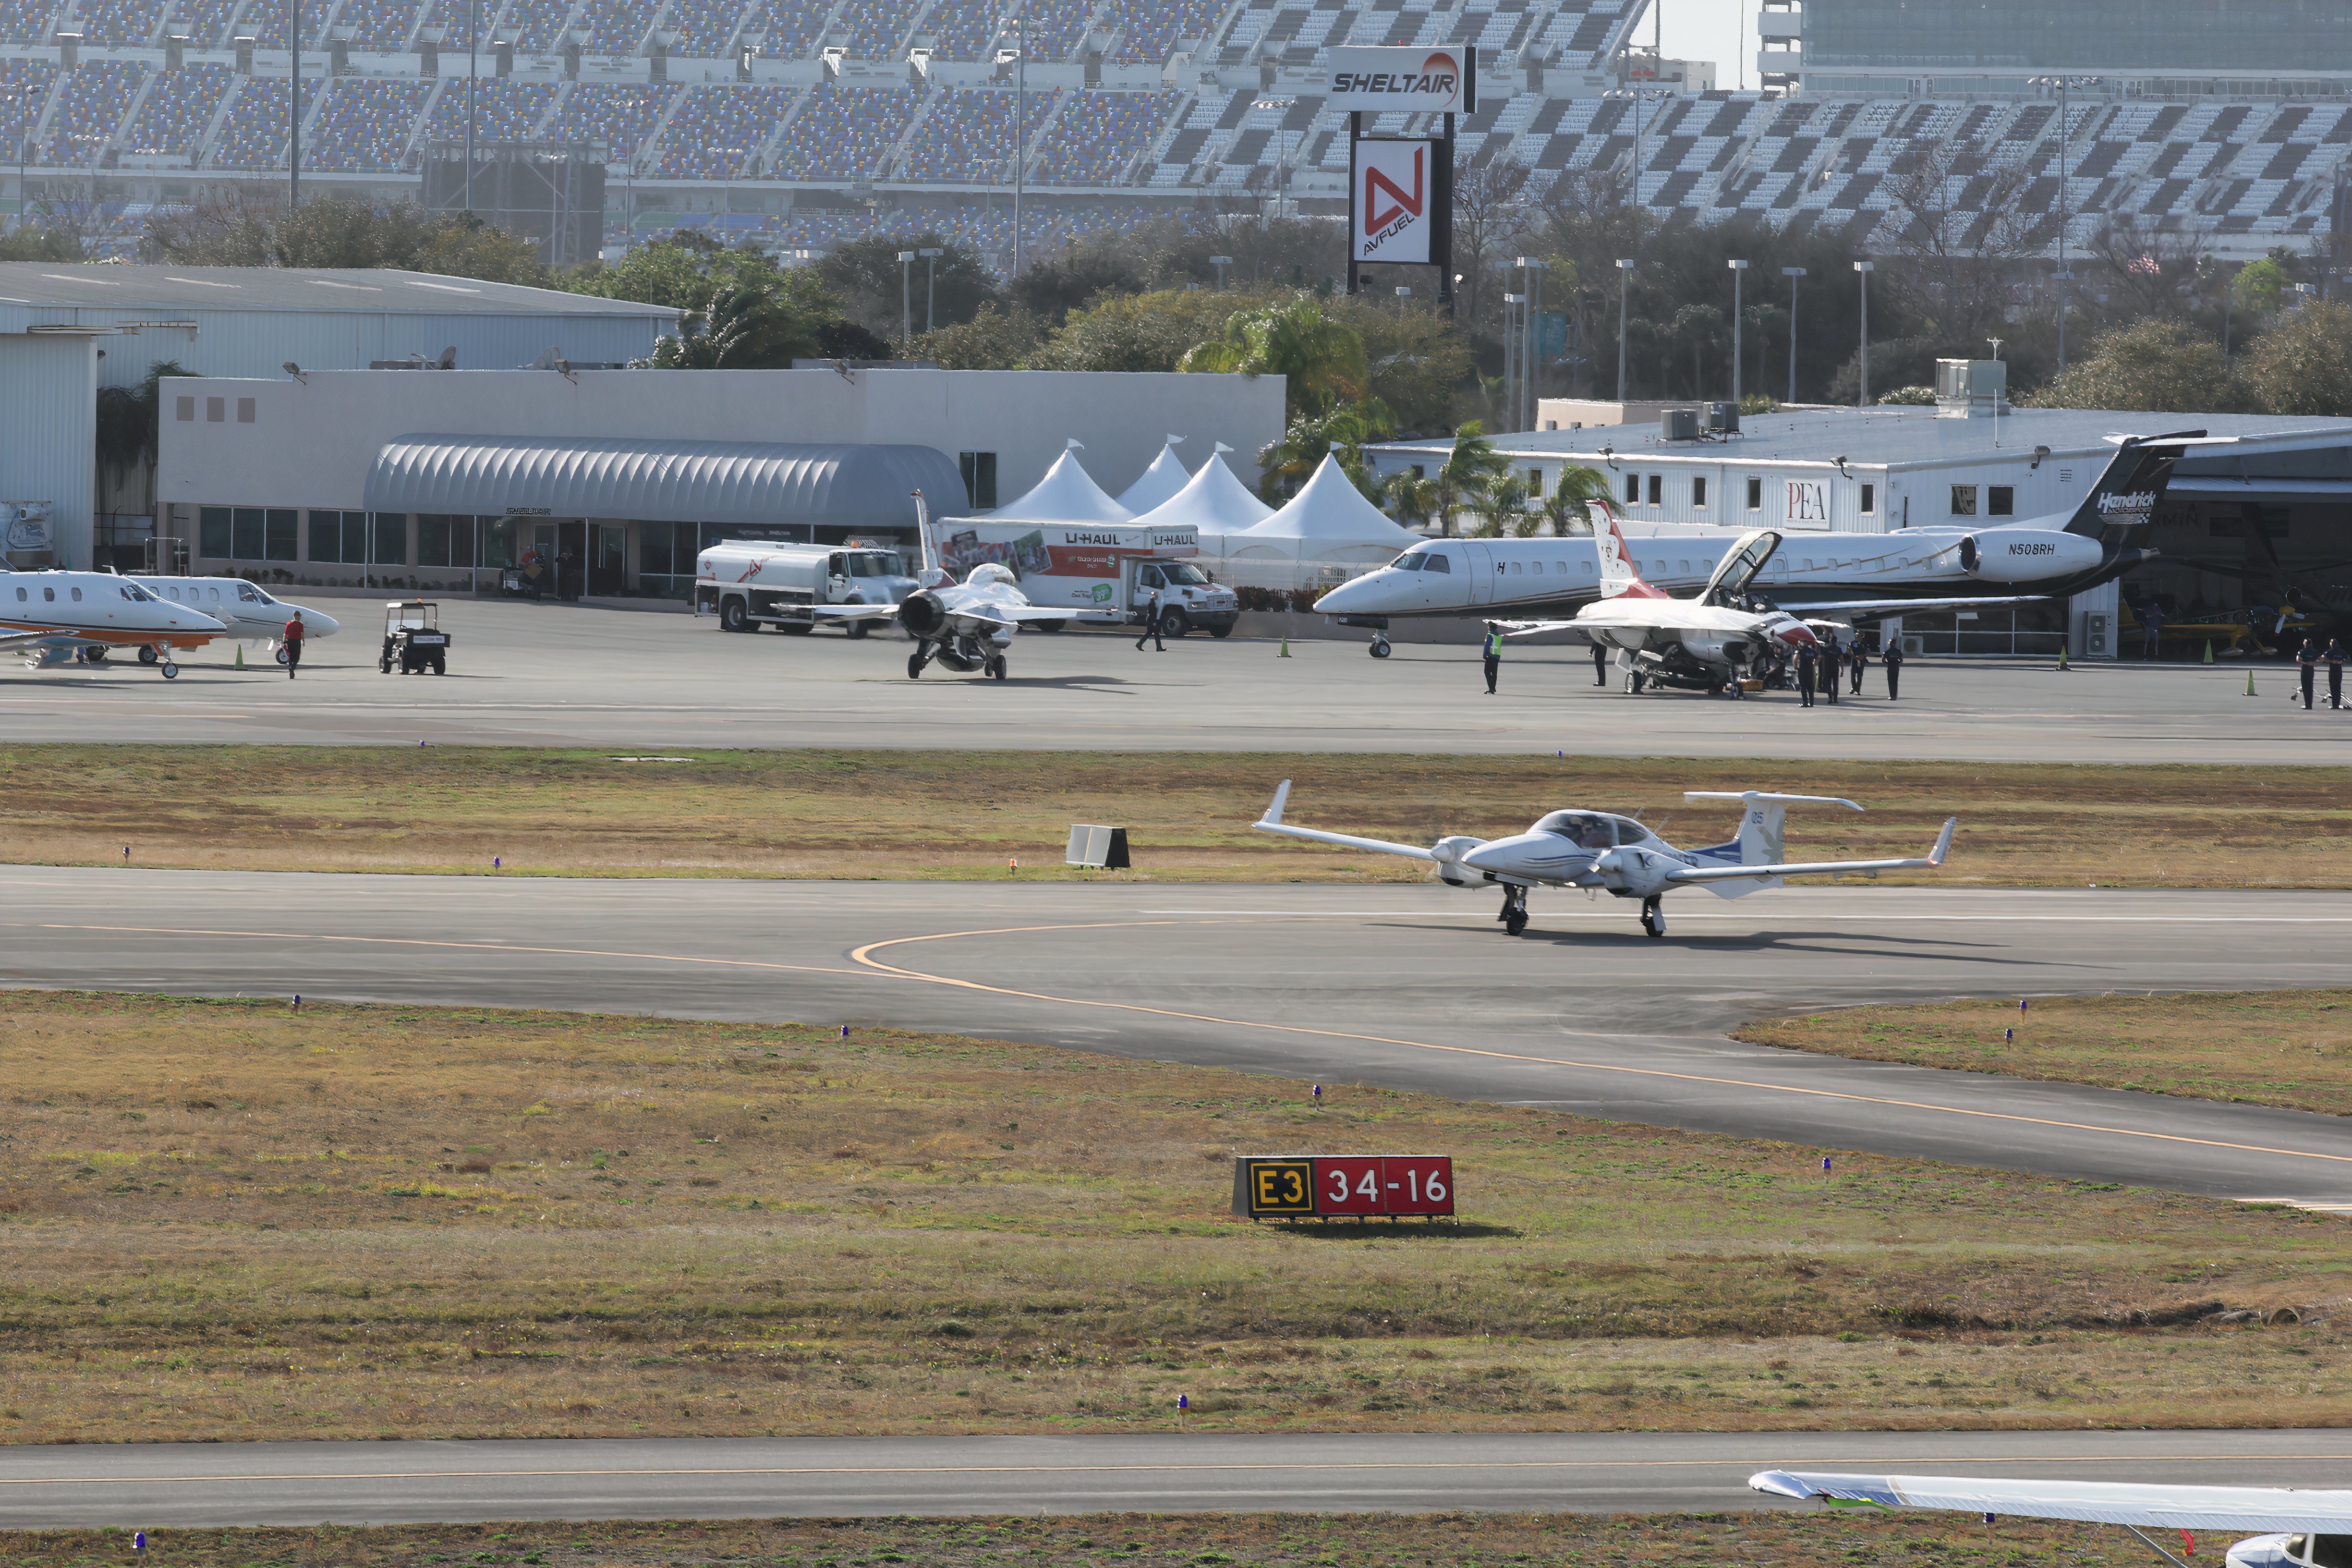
x=1820 y=868
x=2264 y=1509
x=1874 y=609
x=854 y=612
x=1272 y=823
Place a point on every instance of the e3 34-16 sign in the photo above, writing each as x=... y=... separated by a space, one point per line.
x=1342 y=1186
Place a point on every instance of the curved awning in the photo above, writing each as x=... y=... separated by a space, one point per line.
x=836 y=483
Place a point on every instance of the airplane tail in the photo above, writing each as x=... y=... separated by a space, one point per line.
x=1764 y=822
x=1619 y=576
x=931 y=576
x=2126 y=495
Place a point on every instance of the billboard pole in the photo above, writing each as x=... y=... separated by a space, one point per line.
x=1355 y=135
x=1441 y=198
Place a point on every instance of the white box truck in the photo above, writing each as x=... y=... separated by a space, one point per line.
x=749 y=583
x=1097 y=566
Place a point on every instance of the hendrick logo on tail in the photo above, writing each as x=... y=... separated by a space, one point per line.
x=2126 y=495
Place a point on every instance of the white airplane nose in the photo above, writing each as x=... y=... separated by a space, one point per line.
x=1360 y=595
x=321 y=626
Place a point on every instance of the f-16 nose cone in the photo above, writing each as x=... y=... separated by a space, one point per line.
x=1799 y=634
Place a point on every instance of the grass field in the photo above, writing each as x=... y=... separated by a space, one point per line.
x=2266 y=1047
x=1210 y=1541
x=224 y=1219
x=893 y=814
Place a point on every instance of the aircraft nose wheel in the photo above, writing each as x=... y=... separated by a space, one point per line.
x=171 y=671
x=1653 y=918
x=1514 y=911
x=998 y=669
x=1379 y=649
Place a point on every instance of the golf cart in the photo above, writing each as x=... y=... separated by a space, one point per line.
x=413 y=638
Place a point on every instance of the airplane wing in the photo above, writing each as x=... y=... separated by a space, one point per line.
x=1272 y=823
x=1820 y=868
x=2262 y=1508
x=40 y=639
x=1018 y=612
x=1529 y=629
x=1874 y=609
x=855 y=611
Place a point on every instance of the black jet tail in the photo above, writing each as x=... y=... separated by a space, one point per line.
x=2123 y=503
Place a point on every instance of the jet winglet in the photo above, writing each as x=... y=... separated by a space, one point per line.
x=1273 y=817
x=1943 y=842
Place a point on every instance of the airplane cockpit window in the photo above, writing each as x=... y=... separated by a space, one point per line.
x=1407 y=561
x=247 y=594
x=1436 y=560
x=2330 y=1551
x=1630 y=832
x=1585 y=829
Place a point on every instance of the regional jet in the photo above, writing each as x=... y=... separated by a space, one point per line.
x=2300 y=1529
x=53 y=617
x=1616 y=855
x=248 y=611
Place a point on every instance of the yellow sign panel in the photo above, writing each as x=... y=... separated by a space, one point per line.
x=1281 y=1187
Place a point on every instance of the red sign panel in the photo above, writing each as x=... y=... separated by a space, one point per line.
x=1343 y=1186
x=1418 y=1183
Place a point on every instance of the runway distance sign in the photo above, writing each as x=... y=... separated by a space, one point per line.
x=1343 y=1186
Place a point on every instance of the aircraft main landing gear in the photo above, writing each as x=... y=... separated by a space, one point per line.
x=1514 y=911
x=997 y=668
x=1653 y=918
x=1379 y=649
x=917 y=659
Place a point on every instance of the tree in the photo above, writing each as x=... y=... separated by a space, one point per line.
x=993 y=340
x=1412 y=499
x=2161 y=366
x=1416 y=359
x=746 y=328
x=1565 y=508
x=1490 y=217
x=1322 y=360
x=687 y=272
x=2146 y=269
x=1288 y=464
x=45 y=244
x=2303 y=364
x=460 y=245
x=1959 y=223
x=1138 y=331
x=1464 y=480
x=246 y=228
x=871 y=283
x=130 y=423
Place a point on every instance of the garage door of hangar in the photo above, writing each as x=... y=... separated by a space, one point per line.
x=643 y=492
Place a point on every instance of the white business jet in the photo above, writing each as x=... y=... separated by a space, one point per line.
x=247 y=611
x=965 y=626
x=1616 y=855
x=2300 y=1529
x=53 y=617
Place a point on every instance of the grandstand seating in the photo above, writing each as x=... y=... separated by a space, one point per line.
x=962 y=29
x=253 y=136
x=619 y=27
x=703 y=27
x=116 y=23
x=177 y=111
x=716 y=132
x=622 y=114
x=364 y=126
x=503 y=110
x=25 y=89
x=792 y=27
x=965 y=136
x=204 y=22
x=266 y=24
x=1149 y=30
x=375 y=24
x=450 y=19
x=88 y=110
x=842 y=133
x=1098 y=134
x=537 y=26
x=27 y=21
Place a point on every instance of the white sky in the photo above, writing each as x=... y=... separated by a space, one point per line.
x=1723 y=31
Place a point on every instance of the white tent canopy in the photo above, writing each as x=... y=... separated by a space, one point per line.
x=1162 y=479
x=1215 y=503
x=1327 y=520
x=1064 y=495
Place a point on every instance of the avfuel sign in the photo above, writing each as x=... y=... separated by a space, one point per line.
x=1400 y=188
x=1343 y=1186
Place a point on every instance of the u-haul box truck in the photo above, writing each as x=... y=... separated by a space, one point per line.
x=1098 y=567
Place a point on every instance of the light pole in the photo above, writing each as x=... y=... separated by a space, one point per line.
x=1511 y=354
x=1220 y=263
x=1996 y=397
x=1019 y=121
x=1531 y=327
x=1793 y=274
x=930 y=288
x=294 y=109
x=1624 y=289
x=1865 y=268
x=2065 y=277
x=1739 y=279
x=906 y=297
x=473 y=34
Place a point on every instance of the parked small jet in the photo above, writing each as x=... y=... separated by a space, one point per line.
x=1618 y=856
x=966 y=627
x=2301 y=1529
x=248 y=611
x=53 y=617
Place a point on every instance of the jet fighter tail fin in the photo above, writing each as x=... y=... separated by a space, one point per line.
x=1620 y=577
x=1762 y=826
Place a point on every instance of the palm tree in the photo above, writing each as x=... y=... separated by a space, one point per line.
x=1501 y=504
x=1289 y=463
x=1565 y=507
x=1322 y=360
x=1412 y=499
x=1466 y=475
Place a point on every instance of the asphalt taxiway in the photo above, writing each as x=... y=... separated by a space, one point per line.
x=1409 y=987
x=187 y=1485
x=569 y=676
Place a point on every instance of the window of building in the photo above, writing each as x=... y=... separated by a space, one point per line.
x=215 y=410
x=214 y=538
x=1535 y=481
x=183 y=409
x=498 y=543
x=245 y=540
x=326 y=537
x=1657 y=489
x=391 y=538
x=446 y=539
x=244 y=410
x=1420 y=471
x=2000 y=500
x=1698 y=492
x=1754 y=493
x=1869 y=499
x=1632 y=489
x=281 y=534
x=1964 y=500
x=979 y=470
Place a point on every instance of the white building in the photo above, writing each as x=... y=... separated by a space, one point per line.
x=430 y=477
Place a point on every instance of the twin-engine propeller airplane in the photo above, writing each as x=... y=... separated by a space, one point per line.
x=52 y=617
x=1616 y=855
x=2301 y=1529
x=966 y=627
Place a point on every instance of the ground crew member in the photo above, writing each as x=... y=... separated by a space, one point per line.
x=1833 y=665
x=2151 y=629
x=2334 y=659
x=2307 y=663
x=1600 y=664
x=1151 y=623
x=1808 y=660
x=294 y=633
x=1857 y=659
x=1494 y=650
x=1891 y=656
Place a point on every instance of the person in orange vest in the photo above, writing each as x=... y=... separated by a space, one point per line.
x=293 y=635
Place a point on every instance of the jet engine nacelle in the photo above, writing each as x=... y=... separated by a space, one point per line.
x=922 y=614
x=2026 y=554
x=1633 y=873
x=1448 y=853
x=1730 y=649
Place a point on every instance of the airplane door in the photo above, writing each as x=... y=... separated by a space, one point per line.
x=1481 y=562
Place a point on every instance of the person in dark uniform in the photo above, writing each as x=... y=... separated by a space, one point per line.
x=1891 y=656
x=1494 y=652
x=1833 y=665
x=1150 y=624
x=1808 y=661
x=2307 y=665
x=2333 y=658
x=1600 y=664
x=1857 y=659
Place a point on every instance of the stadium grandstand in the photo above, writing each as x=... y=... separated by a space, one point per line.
x=800 y=123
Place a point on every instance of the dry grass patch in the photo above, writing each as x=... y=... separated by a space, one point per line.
x=915 y=814
x=224 y=1219
x=1244 y=1540
x=2290 y=1048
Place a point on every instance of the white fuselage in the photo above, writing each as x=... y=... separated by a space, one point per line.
x=1721 y=638
x=96 y=608
x=248 y=611
x=1503 y=579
